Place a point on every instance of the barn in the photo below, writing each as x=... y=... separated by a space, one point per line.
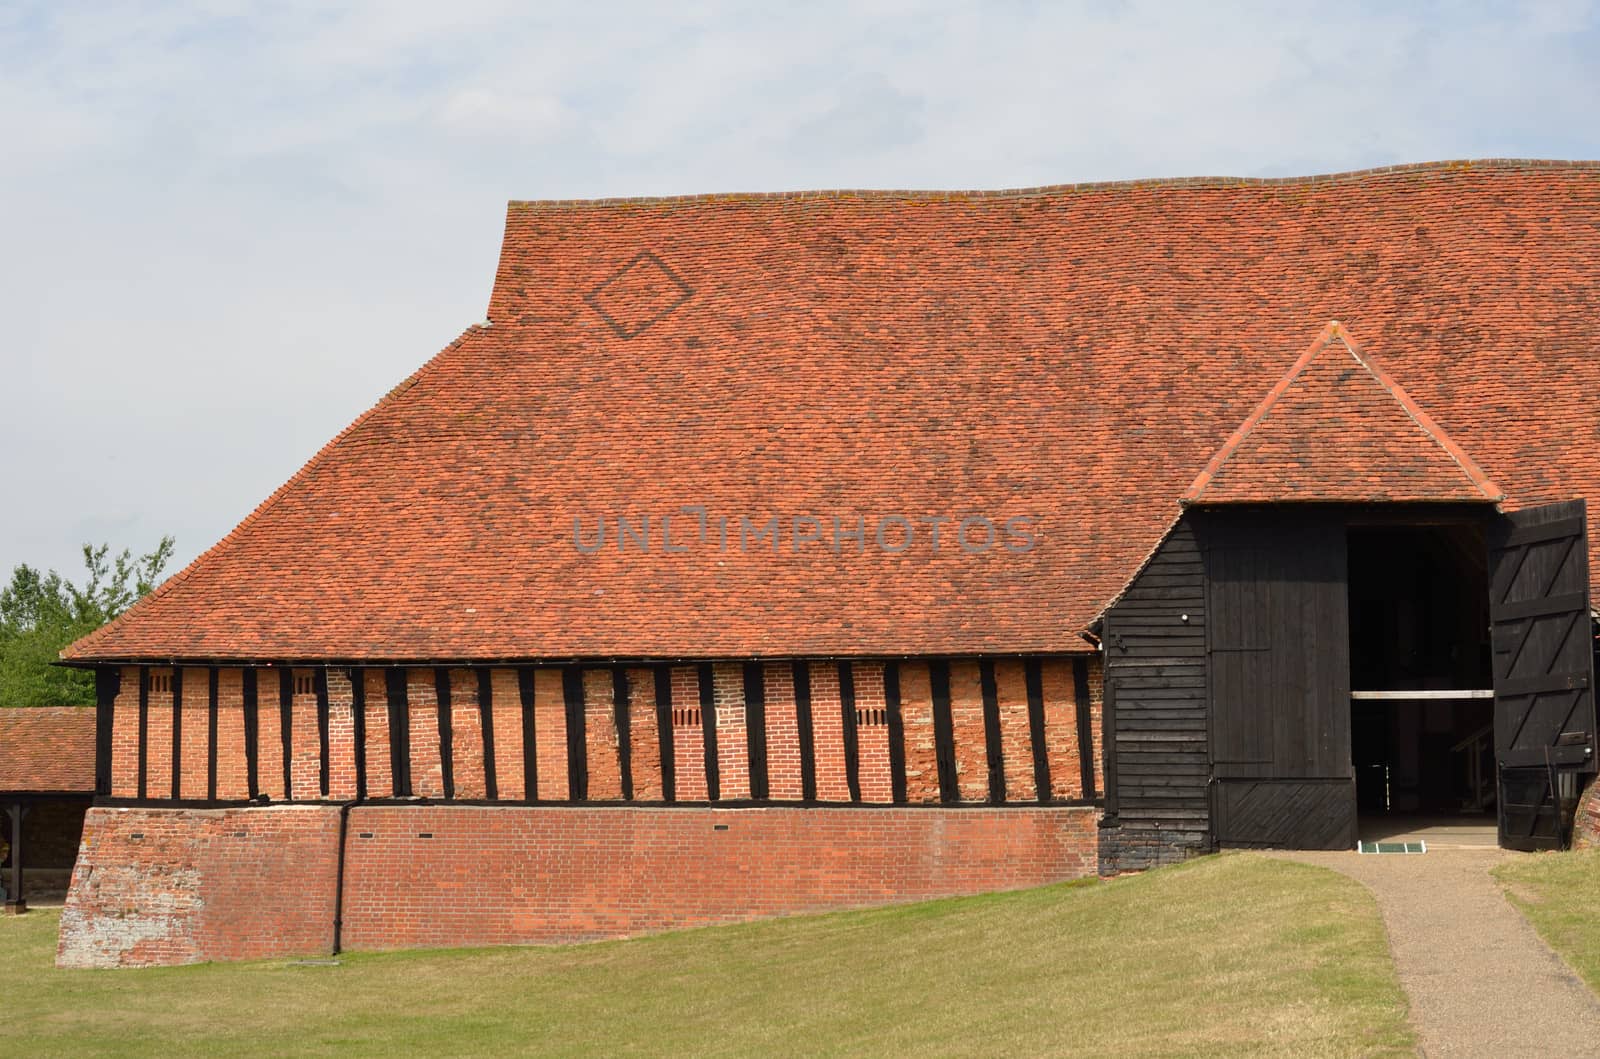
x=762 y=554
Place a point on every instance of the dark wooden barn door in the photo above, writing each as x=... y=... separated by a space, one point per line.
x=1543 y=664
x=1279 y=652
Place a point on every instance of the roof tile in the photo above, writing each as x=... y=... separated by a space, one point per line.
x=1072 y=354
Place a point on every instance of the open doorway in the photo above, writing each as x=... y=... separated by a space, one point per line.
x=1422 y=714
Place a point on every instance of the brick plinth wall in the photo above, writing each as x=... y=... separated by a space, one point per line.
x=1586 y=822
x=169 y=886
x=249 y=883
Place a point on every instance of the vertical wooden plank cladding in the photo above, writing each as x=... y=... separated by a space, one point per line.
x=1279 y=685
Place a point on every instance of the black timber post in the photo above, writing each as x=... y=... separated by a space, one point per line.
x=250 y=706
x=320 y=683
x=669 y=762
x=1033 y=677
x=177 y=732
x=213 y=676
x=577 y=734
x=755 y=728
x=286 y=728
x=1080 y=690
x=107 y=685
x=944 y=738
x=358 y=728
x=850 y=737
x=897 y=732
x=398 y=701
x=144 y=729
x=803 y=725
x=991 y=731
x=491 y=783
x=621 y=716
x=530 y=749
x=706 y=679
x=15 y=900
x=447 y=741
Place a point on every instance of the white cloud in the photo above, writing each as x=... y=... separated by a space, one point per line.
x=228 y=228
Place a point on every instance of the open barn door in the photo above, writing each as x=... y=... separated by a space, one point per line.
x=1543 y=664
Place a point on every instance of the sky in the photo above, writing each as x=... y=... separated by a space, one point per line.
x=228 y=229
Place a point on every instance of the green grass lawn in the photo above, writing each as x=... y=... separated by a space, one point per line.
x=1560 y=895
x=1230 y=955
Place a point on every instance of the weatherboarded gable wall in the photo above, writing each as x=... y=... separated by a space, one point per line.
x=1159 y=764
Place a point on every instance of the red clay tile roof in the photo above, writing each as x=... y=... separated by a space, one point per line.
x=47 y=748
x=1336 y=428
x=1075 y=354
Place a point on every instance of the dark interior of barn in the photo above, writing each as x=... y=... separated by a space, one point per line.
x=1422 y=736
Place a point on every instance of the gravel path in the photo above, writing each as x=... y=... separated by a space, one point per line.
x=1480 y=980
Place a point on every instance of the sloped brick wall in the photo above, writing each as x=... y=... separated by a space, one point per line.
x=1586 y=822
x=169 y=886
x=493 y=875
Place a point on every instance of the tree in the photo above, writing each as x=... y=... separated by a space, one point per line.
x=40 y=613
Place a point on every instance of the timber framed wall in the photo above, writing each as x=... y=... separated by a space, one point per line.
x=847 y=732
x=273 y=810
